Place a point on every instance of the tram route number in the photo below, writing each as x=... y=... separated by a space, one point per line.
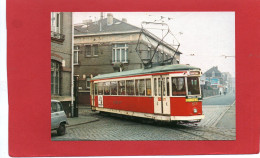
x=117 y=102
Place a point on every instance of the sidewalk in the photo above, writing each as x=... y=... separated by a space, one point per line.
x=85 y=116
x=228 y=120
x=219 y=116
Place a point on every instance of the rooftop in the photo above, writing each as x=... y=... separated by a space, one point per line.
x=101 y=26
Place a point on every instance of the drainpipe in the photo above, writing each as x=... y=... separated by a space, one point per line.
x=72 y=66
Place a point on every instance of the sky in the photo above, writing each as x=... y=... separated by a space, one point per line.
x=206 y=39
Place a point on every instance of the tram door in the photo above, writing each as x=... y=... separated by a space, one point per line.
x=161 y=91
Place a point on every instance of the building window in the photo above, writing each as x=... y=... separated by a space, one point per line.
x=88 y=50
x=55 y=22
x=88 y=83
x=55 y=77
x=213 y=74
x=149 y=52
x=95 y=50
x=120 y=53
x=76 y=55
x=91 y=50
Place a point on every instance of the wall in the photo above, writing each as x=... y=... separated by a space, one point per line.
x=61 y=51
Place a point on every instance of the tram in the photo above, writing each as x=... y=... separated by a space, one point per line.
x=166 y=93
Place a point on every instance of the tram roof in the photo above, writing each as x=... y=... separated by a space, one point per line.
x=157 y=69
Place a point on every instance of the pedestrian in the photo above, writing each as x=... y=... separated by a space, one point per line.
x=220 y=93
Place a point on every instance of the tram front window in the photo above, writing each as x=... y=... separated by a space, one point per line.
x=178 y=86
x=193 y=86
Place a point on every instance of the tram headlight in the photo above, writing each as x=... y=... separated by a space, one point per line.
x=195 y=110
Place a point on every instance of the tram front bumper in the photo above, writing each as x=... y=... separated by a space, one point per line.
x=187 y=118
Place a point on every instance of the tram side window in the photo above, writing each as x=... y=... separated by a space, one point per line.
x=96 y=89
x=148 y=87
x=107 y=88
x=163 y=87
x=136 y=87
x=141 y=87
x=100 y=88
x=167 y=86
x=121 y=87
x=92 y=88
x=130 y=87
x=159 y=87
x=178 y=86
x=113 y=86
x=155 y=87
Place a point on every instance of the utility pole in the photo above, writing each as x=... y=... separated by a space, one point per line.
x=72 y=66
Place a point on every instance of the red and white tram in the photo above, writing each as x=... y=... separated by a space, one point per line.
x=168 y=93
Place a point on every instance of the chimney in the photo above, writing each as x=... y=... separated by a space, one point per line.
x=124 y=20
x=109 y=18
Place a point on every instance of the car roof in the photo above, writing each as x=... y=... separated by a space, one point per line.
x=55 y=101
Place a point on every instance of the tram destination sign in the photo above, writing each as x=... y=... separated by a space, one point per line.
x=194 y=73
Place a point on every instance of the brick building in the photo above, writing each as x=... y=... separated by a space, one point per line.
x=212 y=82
x=214 y=76
x=61 y=50
x=110 y=45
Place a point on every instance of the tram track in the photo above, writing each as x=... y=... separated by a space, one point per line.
x=191 y=129
x=191 y=133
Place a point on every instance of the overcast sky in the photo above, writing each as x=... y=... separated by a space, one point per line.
x=205 y=37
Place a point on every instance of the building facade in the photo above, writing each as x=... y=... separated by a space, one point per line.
x=215 y=82
x=61 y=64
x=109 y=45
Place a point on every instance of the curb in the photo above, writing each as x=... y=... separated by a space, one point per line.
x=83 y=123
x=211 y=97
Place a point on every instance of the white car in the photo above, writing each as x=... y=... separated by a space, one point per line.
x=58 y=117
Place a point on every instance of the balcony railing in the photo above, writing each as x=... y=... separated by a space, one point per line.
x=57 y=36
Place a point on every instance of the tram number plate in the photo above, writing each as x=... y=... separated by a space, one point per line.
x=191 y=99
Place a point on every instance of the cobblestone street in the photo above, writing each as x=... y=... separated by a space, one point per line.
x=117 y=128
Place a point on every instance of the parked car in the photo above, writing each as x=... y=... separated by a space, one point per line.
x=58 y=117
